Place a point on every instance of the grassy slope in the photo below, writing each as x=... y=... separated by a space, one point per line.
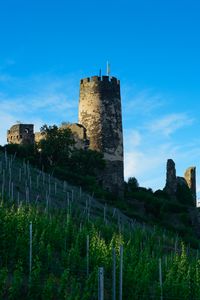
x=60 y=260
x=62 y=217
x=20 y=181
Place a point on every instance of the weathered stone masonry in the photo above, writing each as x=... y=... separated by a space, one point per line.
x=190 y=177
x=100 y=113
x=21 y=134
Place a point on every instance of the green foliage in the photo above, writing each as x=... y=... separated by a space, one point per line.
x=3 y=281
x=184 y=195
x=159 y=208
x=15 y=290
x=86 y=162
x=131 y=186
x=87 y=182
x=29 y=152
x=66 y=162
x=50 y=288
x=59 y=258
x=59 y=250
x=56 y=146
x=56 y=154
x=161 y=194
x=35 y=287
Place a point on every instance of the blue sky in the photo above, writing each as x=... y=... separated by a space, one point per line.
x=153 y=47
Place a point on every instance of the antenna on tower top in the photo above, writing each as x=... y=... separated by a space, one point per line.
x=108 y=69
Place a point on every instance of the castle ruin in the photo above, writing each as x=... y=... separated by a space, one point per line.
x=172 y=180
x=21 y=134
x=79 y=133
x=99 y=128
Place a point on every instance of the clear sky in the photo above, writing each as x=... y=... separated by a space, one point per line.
x=153 y=47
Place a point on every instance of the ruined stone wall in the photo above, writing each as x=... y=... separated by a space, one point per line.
x=39 y=136
x=171 y=180
x=21 y=134
x=78 y=131
x=80 y=135
x=100 y=113
x=190 y=177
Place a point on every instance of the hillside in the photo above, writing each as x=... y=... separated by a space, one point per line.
x=20 y=181
x=74 y=234
x=67 y=249
x=176 y=214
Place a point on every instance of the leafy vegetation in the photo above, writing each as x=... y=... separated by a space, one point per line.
x=56 y=147
x=59 y=252
x=57 y=155
x=184 y=195
x=59 y=258
x=158 y=208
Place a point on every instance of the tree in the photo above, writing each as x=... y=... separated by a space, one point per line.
x=87 y=162
x=57 y=145
x=28 y=151
x=184 y=195
x=132 y=184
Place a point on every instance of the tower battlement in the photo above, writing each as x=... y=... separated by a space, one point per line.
x=103 y=79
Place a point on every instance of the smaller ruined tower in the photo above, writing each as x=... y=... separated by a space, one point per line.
x=190 y=177
x=100 y=113
x=171 y=180
x=22 y=134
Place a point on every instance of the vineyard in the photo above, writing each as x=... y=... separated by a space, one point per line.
x=67 y=250
x=57 y=242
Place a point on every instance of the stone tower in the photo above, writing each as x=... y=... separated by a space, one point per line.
x=100 y=113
